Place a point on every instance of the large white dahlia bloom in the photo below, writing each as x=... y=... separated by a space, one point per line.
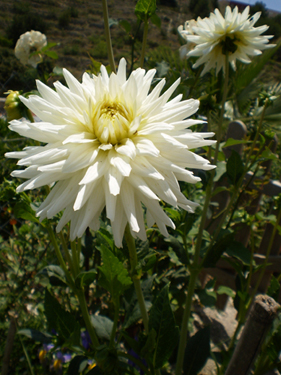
x=30 y=42
x=110 y=144
x=234 y=35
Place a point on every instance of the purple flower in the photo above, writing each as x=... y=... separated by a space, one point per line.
x=86 y=340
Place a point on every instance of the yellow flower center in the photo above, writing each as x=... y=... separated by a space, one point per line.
x=111 y=121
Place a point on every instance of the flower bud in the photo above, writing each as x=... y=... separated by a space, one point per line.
x=14 y=108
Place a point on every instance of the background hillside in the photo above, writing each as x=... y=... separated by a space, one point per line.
x=77 y=26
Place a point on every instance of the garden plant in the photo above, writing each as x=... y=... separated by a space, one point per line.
x=111 y=220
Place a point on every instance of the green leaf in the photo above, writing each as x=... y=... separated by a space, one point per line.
x=239 y=251
x=234 y=167
x=22 y=210
x=220 y=170
x=58 y=319
x=226 y=290
x=156 y=20
x=197 y=352
x=148 y=348
x=48 y=46
x=231 y=142
x=85 y=278
x=112 y=22
x=162 y=320
x=125 y=25
x=217 y=250
x=35 y=335
x=77 y=365
x=58 y=71
x=273 y=289
x=113 y=276
x=102 y=325
x=145 y=9
x=207 y=295
x=56 y=275
x=51 y=54
x=133 y=314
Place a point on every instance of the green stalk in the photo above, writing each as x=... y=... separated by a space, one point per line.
x=186 y=315
x=195 y=268
x=137 y=361
x=134 y=261
x=107 y=36
x=79 y=292
x=85 y=313
x=266 y=256
x=234 y=194
x=76 y=263
x=66 y=251
x=115 y=323
x=26 y=356
x=257 y=133
x=144 y=39
x=59 y=256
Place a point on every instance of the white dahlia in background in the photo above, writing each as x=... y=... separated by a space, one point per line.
x=110 y=143
x=31 y=41
x=234 y=34
x=184 y=31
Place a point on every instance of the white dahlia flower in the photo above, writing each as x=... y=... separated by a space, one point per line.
x=110 y=144
x=234 y=34
x=184 y=31
x=30 y=42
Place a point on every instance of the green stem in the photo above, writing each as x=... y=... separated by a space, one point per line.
x=114 y=328
x=137 y=361
x=195 y=269
x=144 y=39
x=186 y=315
x=107 y=36
x=76 y=261
x=257 y=134
x=134 y=261
x=66 y=251
x=79 y=292
x=26 y=356
x=266 y=256
x=85 y=313
x=59 y=256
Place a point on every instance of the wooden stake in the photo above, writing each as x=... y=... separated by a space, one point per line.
x=261 y=315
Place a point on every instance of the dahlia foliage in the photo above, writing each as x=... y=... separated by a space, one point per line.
x=110 y=143
x=234 y=35
x=31 y=41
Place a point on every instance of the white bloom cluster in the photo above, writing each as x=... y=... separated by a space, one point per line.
x=234 y=36
x=110 y=143
x=30 y=42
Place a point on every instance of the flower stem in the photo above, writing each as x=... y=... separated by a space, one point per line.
x=75 y=260
x=114 y=328
x=195 y=268
x=186 y=315
x=85 y=313
x=134 y=261
x=144 y=39
x=59 y=256
x=107 y=36
x=79 y=292
x=66 y=251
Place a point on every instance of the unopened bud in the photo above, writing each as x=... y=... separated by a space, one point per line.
x=14 y=108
